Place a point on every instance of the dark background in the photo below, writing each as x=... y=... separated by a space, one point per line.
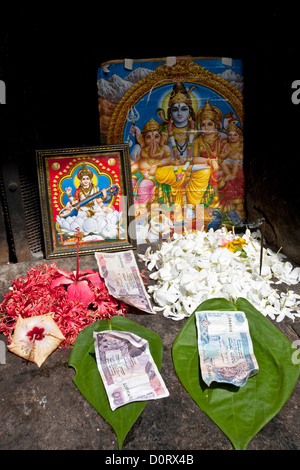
x=49 y=61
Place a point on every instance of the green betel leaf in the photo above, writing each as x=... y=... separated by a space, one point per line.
x=88 y=378
x=240 y=412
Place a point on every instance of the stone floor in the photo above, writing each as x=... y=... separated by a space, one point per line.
x=42 y=409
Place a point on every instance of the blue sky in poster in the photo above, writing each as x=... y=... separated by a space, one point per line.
x=146 y=107
x=114 y=80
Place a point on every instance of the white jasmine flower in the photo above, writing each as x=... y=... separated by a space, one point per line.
x=197 y=266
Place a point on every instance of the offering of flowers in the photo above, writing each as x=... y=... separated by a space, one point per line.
x=75 y=303
x=199 y=265
x=75 y=298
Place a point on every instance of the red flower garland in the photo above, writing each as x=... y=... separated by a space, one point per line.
x=45 y=289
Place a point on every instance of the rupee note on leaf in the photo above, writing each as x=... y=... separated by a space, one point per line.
x=123 y=280
x=127 y=368
x=225 y=347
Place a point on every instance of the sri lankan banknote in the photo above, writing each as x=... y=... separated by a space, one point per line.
x=127 y=368
x=225 y=347
x=123 y=280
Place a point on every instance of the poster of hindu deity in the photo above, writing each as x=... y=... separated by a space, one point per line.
x=87 y=191
x=184 y=126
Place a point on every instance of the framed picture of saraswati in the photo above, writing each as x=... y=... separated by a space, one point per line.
x=86 y=191
x=184 y=126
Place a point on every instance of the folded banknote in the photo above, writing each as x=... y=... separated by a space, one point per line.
x=123 y=280
x=127 y=368
x=225 y=347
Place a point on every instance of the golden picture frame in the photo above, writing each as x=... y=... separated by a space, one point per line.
x=86 y=190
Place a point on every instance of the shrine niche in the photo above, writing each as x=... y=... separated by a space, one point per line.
x=184 y=127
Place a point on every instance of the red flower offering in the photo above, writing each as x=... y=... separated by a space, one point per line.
x=76 y=298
